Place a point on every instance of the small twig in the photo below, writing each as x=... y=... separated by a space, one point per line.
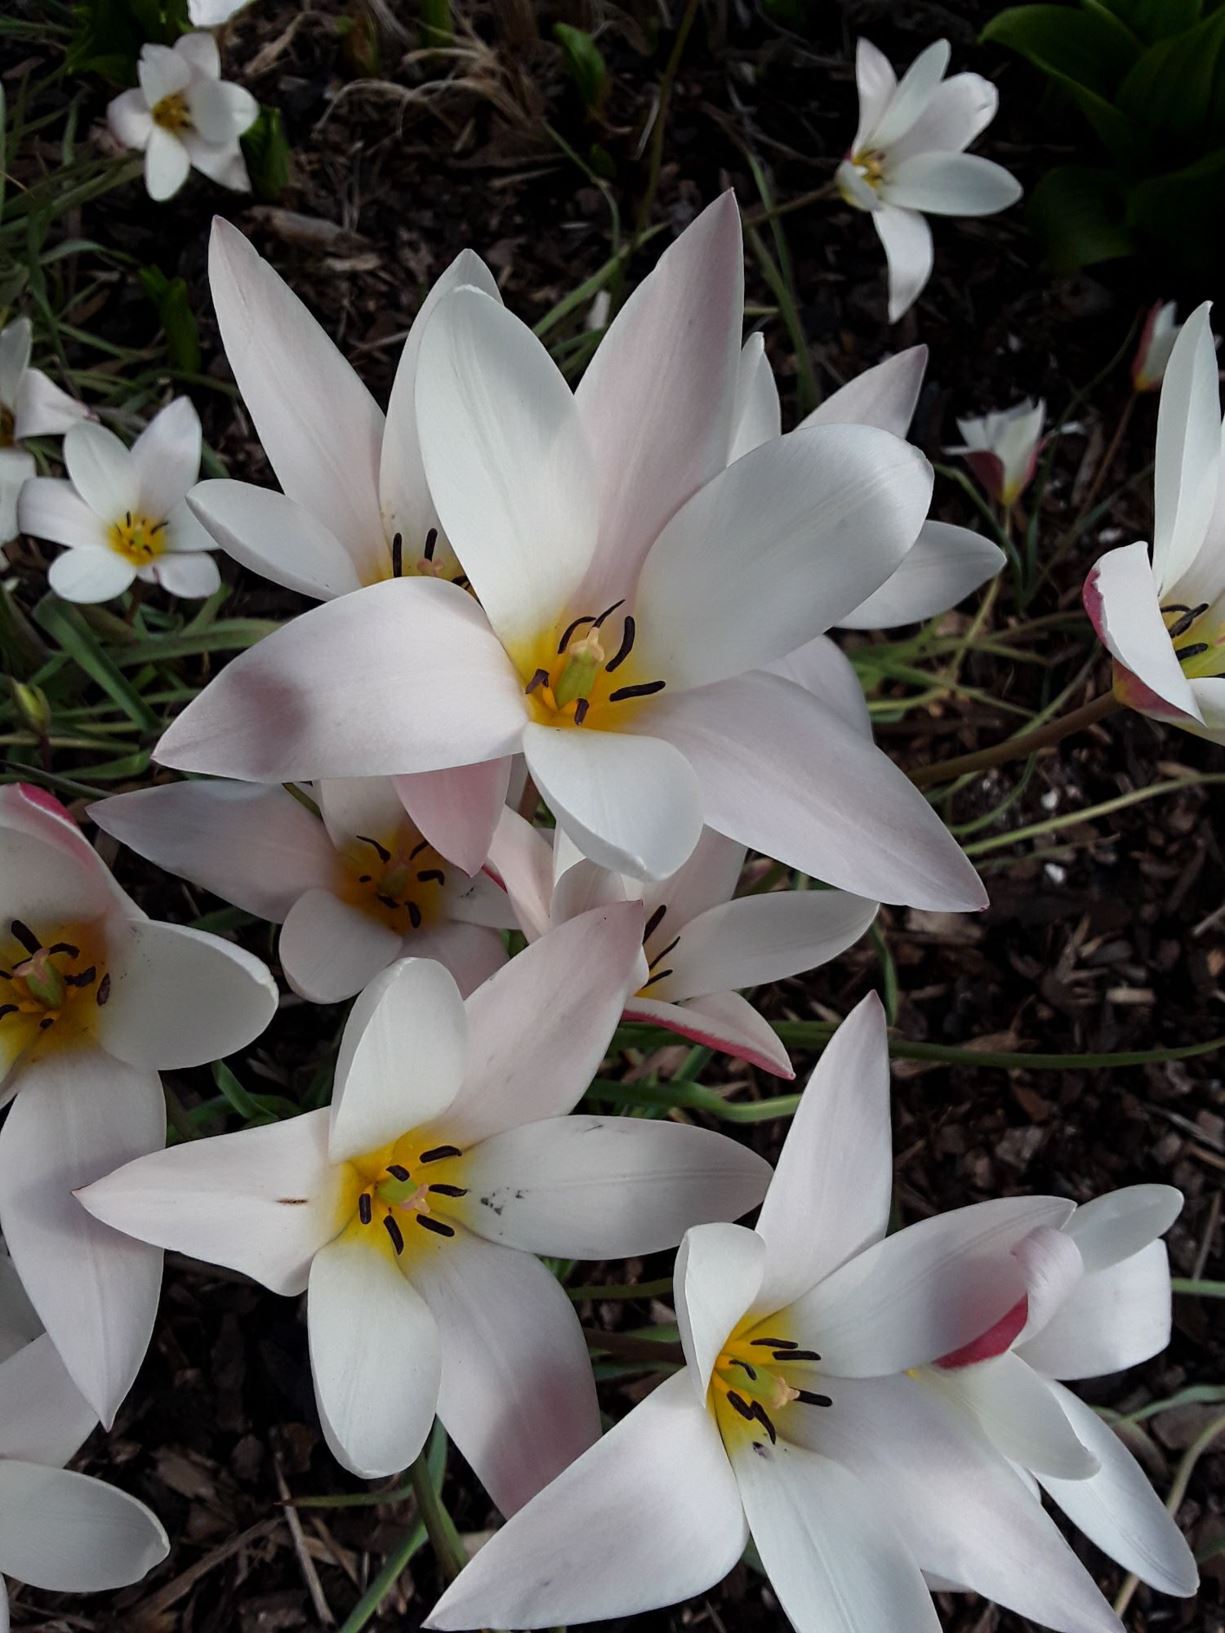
x=306 y=1564
x=1016 y=748
x=1178 y=1490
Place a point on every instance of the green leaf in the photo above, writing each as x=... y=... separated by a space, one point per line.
x=1153 y=20
x=1079 y=213
x=1170 y=210
x=585 y=64
x=69 y=630
x=1178 y=84
x=1089 y=48
x=266 y=149
x=178 y=321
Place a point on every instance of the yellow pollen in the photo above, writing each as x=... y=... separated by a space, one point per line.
x=759 y=1375
x=52 y=984
x=138 y=539
x=172 y=113
x=399 y=1197
x=585 y=673
x=396 y=877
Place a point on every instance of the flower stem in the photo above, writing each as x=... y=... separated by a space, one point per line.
x=445 y=1540
x=1016 y=748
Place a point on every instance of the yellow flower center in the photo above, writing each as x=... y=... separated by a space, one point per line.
x=8 y=425
x=399 y=879
x=1198 y=636
x=51 y=986
x=581 y=676
x=760 y=1375
x=870 y=168
x=398 y=1198
x=172 y=112
x=436 y=560
x=138 y=539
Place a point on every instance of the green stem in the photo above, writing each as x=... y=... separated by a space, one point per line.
x=394 y=1565
x=445 y=1540
x=1178 y=1490
x=1198 y=1289
x=641 y=1289
x=1016 y=748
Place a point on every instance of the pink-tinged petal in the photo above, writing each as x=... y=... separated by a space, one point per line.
x=50 y=508
x=1052 y=1267
x=658 y=398
x=401 y=1060
x=329 y=949
x=961 y=184
x=649 y=1516
x=262 y=1201
x=822 y=668
x=583 y=1187
x=404 y=494
x=326 y=695
x=718 y=1275
x=781 y=773
x=884 y=396
x=723 y=1021
x=907 y=242
x=89 y=576
x=478 y=901
x=996 y=1340
x=274 y=537
x=988 y=469
x=1113 y=1227
x=1116 y=1318
x=1188 y=450
x=352 y=806
x=320 y=427
x=166 y=164
x=1019 y=1414
x=630 y=802
x=1118 y=1509
x=457 y=809
x=958 y=110
x=757 y=417
x=1122 y=600
x=944 y=565
x=73 y=1534
x=469 y=951
x=507 y=463
x=539 y=1028
x=102 y=470
x=180 y=997
x=49 y=873
x=376 y=1357
x=831 y=512
x=925 y=1291
x=964 y=1514
x=517 y=1394
x=44 y=1418
x=166 y=455
x=829 y=1198
x=876 y=83
x=80 y=1114
x=820 y=1538
x=256 y=847
x=709 y=877
x=913 y=95
x=521 y=858
x=193 y=576
x=41 y=409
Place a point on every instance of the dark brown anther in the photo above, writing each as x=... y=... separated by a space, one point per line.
x=394 y=1231
x=7 y=1009
x=46 y=1022
x=398 y=1171
x=654 y=922
x=439 y=1228
x=659 y=975
x=84 y=979
x=66 y=948
x=540 y=678
x=449 y=1190
x=461 y=580
x=414 y=915
x=810 y=1399
x=397 y=556
x=364 y=878
x=744 y=1366
x=663 y=952
x=432 y=876
x=739 y=1404
x=773 y=1343
x=438 y=1152
x=1189 y=615
x=607 y=613
x=25 y=936
x=629 y=630
x=127 y=516
x=580 y=710
x=424 y=845
x=381 y=851
x=792 y=1353
x=647 y=689
x=568 y=633
x=1193 y=651
x=431 y=539
x=104 y=991
x=365 y=1208
x=763 y=1417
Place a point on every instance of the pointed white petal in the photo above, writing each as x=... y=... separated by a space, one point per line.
x=822 y=668
x=51 y=508
x=166 y=455
x=876 y=83
x=884 y=396
x=102 y=470
x=166 y=164
x=42 y=409
x=944 y=565
x=193 y=575
x=220 y=110
x=131 y=123
x=1122 y=599
x=522 y=859
x=718 y=1276
x=90 y=576
x=275 y=537
x=44 y=1418
x=1111 y=1228
x=907 y=241
x=48 y=870
x=1052 y=1268
x=469 y=951
x=950 y=184
x=723 y=1021
x=959 y=109
x=457 y=809
x=201 y=53
x=758 y=414
x=161 y=72
x=1188 y=450
x=73 y=1534
x=1116 y=1318
x=913 y=95
x=1021 y=1416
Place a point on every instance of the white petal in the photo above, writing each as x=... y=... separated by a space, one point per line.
x=830 y=511
x=166 y=455
x=319 y=426
x=658 y=397
x=44 y=1418
x=469 y=951
x=223 y=164
x=101 y=470
x=88 y=576
x=256 y=847
x=201 y=52
x=130 y=121
x=166 y=164
x=220 y=110
x=48 y=870
x=718 y=1275
x=876 y=83
x=1122 y=599
x=181 y=997
x=1119 y=1510
x=950 y=184
x=884 y=396
x=16 y=342
x=1188 y=450
x=1020 y=1414
x=404 y=494
x=1113 y=1227
x=17 y=469
x=79 y=1115
x=73 y=1534
x=275 y=537
x=822 y=668
x=539 y=1028
x=1052 y=1267
x=709 y=877
x=351 y=806
x=192 y=575
x=584 y=1187
x=51 y=508
x=262 y=1201
x=758 y=414
x=42 y=409
x=161 y=72
x=925 y=1291
x=1116 y=1318
x=522 y=859
x=329 y=950
x=907 y=241
x=325 y=695
x=913 y=95
x=723 y=1021
x=960 y=109
x=834 y=1567
x=376 y=1357
x=829 y=1198
x=457 y=809
x=942 y=567
x=649 y=1516
x=780 y=772
x=517 y=1395
x=401 y=1060
x=631 y=802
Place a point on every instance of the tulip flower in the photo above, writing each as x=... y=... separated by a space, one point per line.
x=183 y=115
x=1163 y=620
x=793 y=1419
x=1097 y=1300
x=945 y=563
x=95 y=1000
x=613 y=552
x=31 y=405
x=1002 y=449
x=353 y=888
x=1157 y=339
x=61 y=1531
x=412 y=1210
x=908 y=160
x=121 y=512
x=699 y=944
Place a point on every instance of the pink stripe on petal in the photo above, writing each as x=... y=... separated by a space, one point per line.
x=997 y=1340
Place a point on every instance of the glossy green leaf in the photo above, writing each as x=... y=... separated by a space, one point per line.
x=1089 y=48
x=1079 y=213
x=585 y=64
